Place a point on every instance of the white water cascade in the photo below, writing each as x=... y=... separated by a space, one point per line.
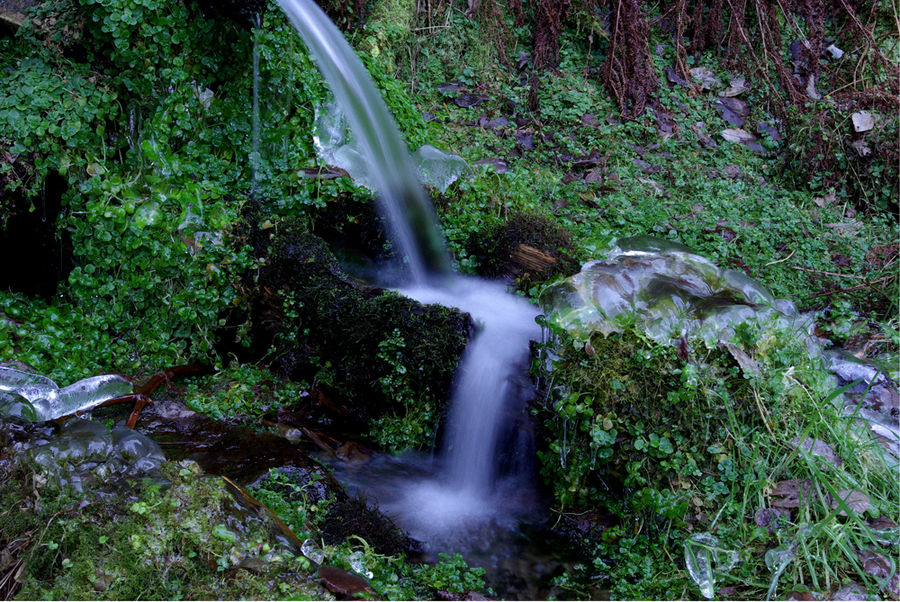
x=460 y=493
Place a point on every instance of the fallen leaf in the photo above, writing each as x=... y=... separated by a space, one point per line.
x=874 y=564
x=768 y=517
x=656 y=186
x=857 y=501
x=704 y=138
x=733 y=111
x=747 y=364
x=834 y=51
x=767 y=129
x=705 y=77
x=469 y=100
x=733 y=171
x=738 y=86
x=589 y=120
x=790 y=493
x=804 y=596
x=451 y=87
x=525 y=139
x=340 y=581
x=496 y=122
x=674 y=78
x=646 y=167
x=594 y=175
x=498 y=165
x=738 y=135
x=850 y=227
x=852 y=592
x=862 y=149
x=817 y=447
x=824 y=200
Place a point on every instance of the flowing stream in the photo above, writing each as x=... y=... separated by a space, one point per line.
x=464 y=493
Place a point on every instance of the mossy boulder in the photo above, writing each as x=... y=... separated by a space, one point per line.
x=180 y=535
x=527 y=249
x=370 y=352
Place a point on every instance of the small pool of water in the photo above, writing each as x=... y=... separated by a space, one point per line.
x=504 y=530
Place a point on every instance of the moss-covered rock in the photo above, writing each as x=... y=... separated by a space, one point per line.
x=374 y=353
x=183 y=535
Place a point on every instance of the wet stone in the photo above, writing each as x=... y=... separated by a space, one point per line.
x=222 y=448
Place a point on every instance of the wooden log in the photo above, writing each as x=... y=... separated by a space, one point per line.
x=11 y=19
x=532 y=259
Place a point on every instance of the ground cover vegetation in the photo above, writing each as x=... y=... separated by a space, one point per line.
x=127 y=135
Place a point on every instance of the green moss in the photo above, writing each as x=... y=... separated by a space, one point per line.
x=495 y=248
x=674 y=442
x=380 y=355
x=184 y=537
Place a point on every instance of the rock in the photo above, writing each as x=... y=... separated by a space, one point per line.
x=341 y=582
x=328 y=308
x=863 y=121
x=526 y=247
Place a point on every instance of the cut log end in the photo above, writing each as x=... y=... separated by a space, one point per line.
x=532 y=260
x=11 y=19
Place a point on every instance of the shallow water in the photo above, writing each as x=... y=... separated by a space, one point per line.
x=504 y=532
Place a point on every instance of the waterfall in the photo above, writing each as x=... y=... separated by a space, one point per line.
x=464 y=493
x=402 y=200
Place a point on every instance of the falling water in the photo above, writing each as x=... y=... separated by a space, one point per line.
x=460 y=493
x=402 y=200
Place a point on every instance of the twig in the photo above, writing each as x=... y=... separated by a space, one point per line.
x=856 y=288
x=782 y=259
x=797 y=267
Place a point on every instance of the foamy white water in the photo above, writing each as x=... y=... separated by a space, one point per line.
x=484 y=380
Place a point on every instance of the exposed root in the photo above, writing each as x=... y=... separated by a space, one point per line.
x=628 y=71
